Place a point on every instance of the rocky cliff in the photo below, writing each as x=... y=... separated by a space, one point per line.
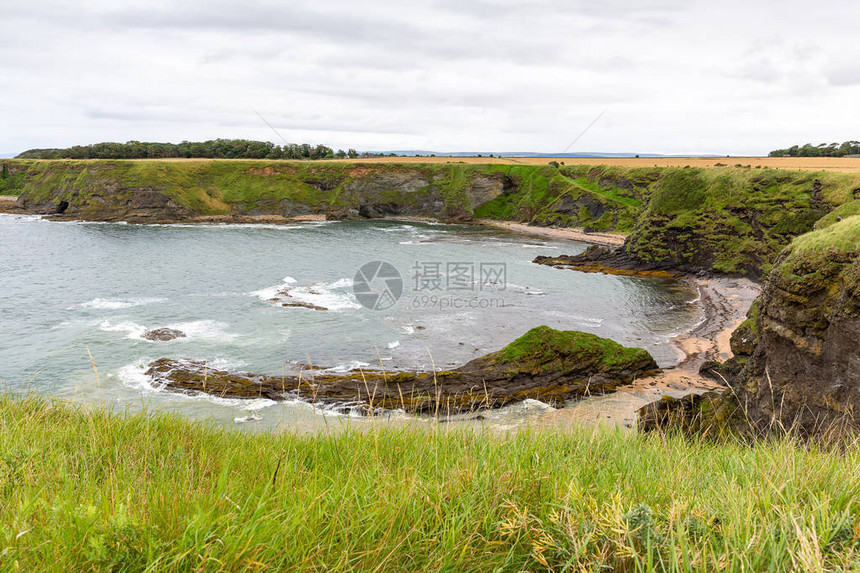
x=797 y=361
x=732 y=220
x=796 y=364
x=720 y=220
x=724 y=219
x=165 y=191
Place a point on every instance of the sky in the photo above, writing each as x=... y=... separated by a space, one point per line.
x=686 y=76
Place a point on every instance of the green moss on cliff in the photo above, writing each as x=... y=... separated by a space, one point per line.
x=732 y=220
x=12 y=179
x=569 y=197
x=814 y=261
x=841 y=212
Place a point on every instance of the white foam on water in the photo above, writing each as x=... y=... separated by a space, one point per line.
x=269 y=293
x=392 y=345
x=335 y=295
x=21 y=217
x=527 y=406
x=132 y=329
x=118 y=303
x=211 y=330
x=134 y=376
x=409 y=329
x=354 y=365
x=584 y=319
x=291 y=226
x=257 y=404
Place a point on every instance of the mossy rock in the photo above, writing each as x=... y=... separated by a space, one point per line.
x=542 y=349
x=544 y=364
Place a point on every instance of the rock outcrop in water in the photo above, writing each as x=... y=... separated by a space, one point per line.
x=163 y=334
x=611 y=261
x=544 y=364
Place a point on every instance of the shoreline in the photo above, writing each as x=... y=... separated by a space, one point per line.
x=724 y=303
x=564 y=233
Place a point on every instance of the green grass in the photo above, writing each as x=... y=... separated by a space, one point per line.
x=88 y=490
x=841 y=212
x=825 y=260
x=611 y=193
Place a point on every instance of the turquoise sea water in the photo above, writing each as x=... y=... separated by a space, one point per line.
x=69 y=291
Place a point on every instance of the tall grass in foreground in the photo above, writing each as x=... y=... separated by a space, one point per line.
x=90 y=490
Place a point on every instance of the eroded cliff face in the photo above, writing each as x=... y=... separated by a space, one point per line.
x=110 y=202
x=180 y=191
x=797 y=357
x=165 y=191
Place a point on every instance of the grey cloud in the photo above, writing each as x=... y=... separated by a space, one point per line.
x=844 y=75
x=489 y=74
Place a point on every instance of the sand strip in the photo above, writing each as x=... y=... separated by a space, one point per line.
x=724 y=303
x=563 y=233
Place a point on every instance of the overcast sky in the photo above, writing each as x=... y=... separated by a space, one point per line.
x=682 y=76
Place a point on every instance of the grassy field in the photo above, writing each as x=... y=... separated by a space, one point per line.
x=89 y=490
x=843 y=164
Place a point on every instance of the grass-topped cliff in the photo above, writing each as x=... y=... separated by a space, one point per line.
x=103 y=190
x=724 y=219
x=795 y=365
x=733 y=220
x=86 y=490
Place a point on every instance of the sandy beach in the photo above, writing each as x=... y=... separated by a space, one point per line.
x=724 y=303
x=568 y=233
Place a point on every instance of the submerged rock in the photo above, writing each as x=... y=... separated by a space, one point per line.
x=285 y=299
x=163 y=334
x=544 y=364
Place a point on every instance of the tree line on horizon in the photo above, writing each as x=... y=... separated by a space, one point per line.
x=820 y=150
x=212 y=149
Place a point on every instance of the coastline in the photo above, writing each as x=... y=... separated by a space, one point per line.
x=724 y=303
x=564 y=233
